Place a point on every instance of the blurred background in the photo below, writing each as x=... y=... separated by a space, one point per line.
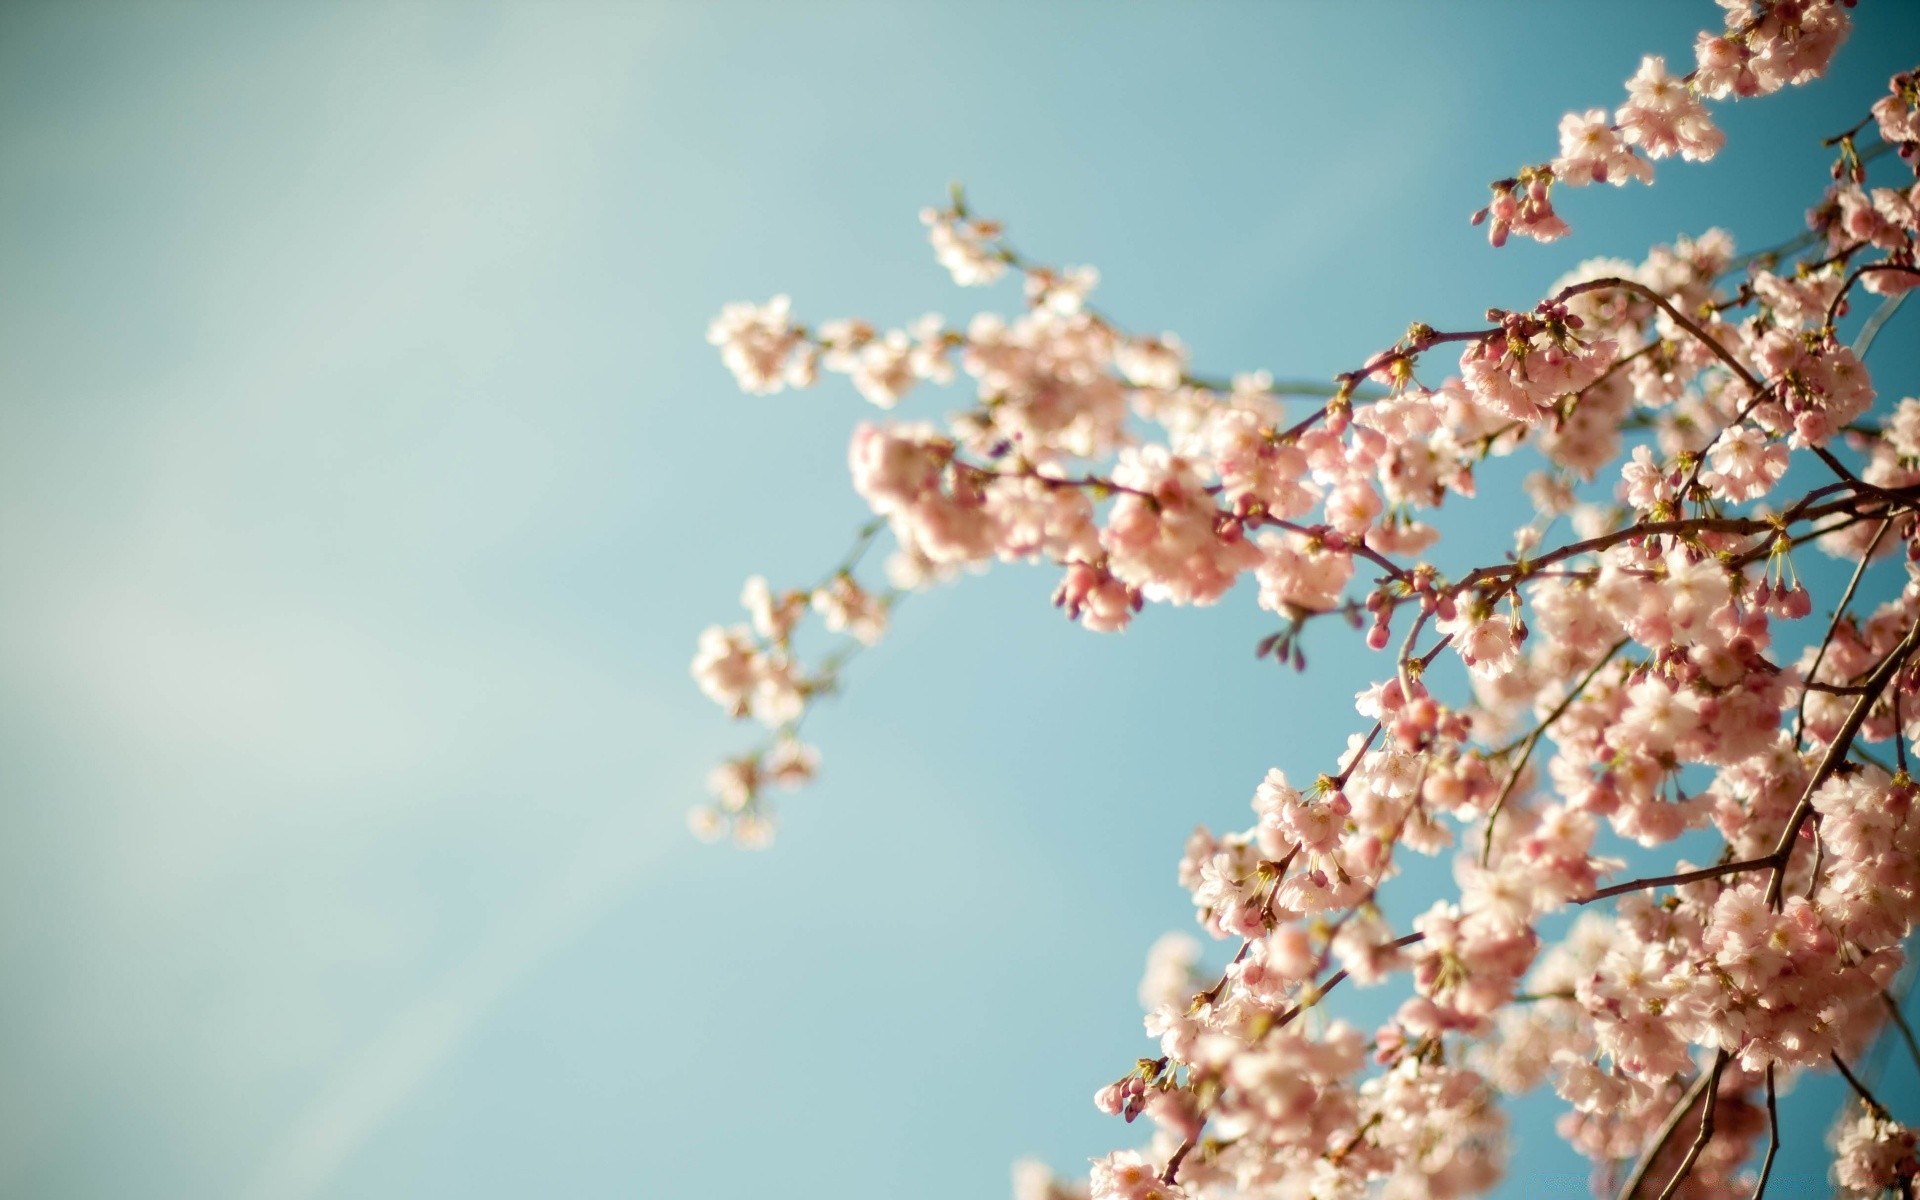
x=365 y=480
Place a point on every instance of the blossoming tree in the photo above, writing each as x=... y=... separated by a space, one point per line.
x=1636 y=670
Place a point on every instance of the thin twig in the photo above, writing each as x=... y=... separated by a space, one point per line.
x=1899 y=734
x=1773 y=1138
x=1871 y=329
x=1836 y=753
x=1900 y=1022
x=1713 y=872
x=1706 y=1127
x=1839 y=297
x=1319 y=993
x=1667 y=1128
x=1873 y=1104
x=1172 y=1172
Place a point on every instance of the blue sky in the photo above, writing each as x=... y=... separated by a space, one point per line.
x=365 y=479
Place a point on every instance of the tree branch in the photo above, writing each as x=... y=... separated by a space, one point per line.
x=1685 y=1105
x=1706 y=1127
x=1836 y=752
x=1773 y=1138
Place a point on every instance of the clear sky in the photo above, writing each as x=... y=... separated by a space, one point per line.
x=365 y=479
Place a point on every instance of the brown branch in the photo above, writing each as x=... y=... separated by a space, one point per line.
x=1334 y=980
x=1899 y=734
x=1665 y=1135
x=1359 y=1135
x=1858 y=484
x=1773 y=1138
x=1777 y=859
x=1754 y=386
x=1706 y=1127
x=1409 y=348
x=1350 y=545
x=1713 y=872
x=1834 y=689
x=1900 y=1022
x=1833 y=308
x=1878 y=1109
x=1172 y=1172
x=1801 y=510
x=1836 y=753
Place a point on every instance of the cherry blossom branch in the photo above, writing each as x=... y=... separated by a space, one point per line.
x=1773 y=1138
x=1172 y=1173
x=1777 y=859
x=1311 y=996
x=1839 y=297
x=1745 y=399
x=1756 y=390
x=1900 y=1022
x=1706 y=1128
x=1487 y=442
x=1854 y=481
x=1754 y=386
x=1354 y=546
x=1836 y=751
x=1900 y=741
x=1866 y=1097
x=1668 y=1128
x=1419 y=338
x=1318 y=992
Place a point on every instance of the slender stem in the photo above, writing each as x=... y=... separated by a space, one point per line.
x=1172 y=1172
x=1333 y=981
x=1873 y=1104
x=1834 y=689
x=1754 y=386
x=1858 y=752
x=1899 y=734
x=1871 y=329
x=1714 y=872
x=1836 y=753
x=1819 y=859
x=1706 y=1127
x=1900 y=1023
x=1350 y=545
x=1773 y=1138
x=1665 y=1135
x=1359 y=1135
x=1346 y=772
x=1847 y=136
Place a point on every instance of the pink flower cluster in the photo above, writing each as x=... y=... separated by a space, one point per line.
x=752 y=670
x=1644 y=664
x=1766 y=45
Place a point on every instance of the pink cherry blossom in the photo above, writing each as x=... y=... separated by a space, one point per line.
x=1637 y=670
